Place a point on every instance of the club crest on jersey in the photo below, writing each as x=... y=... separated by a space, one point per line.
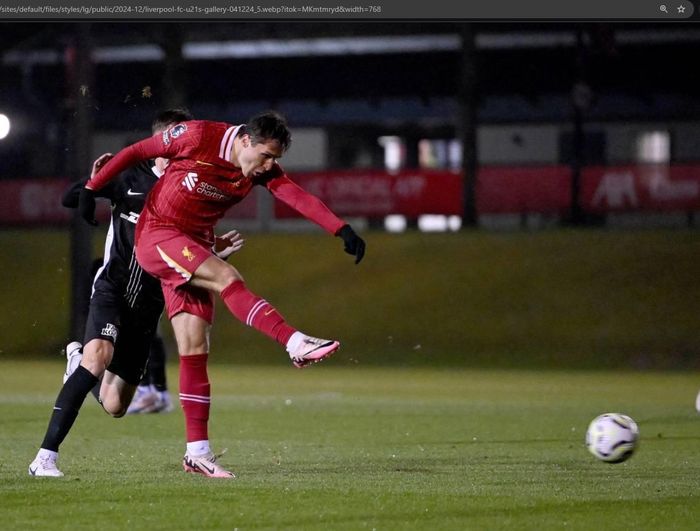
x=187 y=254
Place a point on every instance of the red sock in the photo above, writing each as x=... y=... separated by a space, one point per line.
x=195 y=395
x=256 y=312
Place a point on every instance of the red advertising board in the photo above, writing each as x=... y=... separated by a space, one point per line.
x=523 y=190
x=37 y=202
x=33 y=202
x=649 y=187
x=376 y=193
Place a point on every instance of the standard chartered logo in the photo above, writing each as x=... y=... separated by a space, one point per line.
x=192 y=183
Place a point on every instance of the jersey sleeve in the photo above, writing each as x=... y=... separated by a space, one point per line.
x=308 y=205
x=71 y=195
x=174 y=142
x=145 y=149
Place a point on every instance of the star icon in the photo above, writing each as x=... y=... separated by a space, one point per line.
x=681 y=9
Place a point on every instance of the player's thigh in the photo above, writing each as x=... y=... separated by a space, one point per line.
x=170 y=255
x=190 y=300
x=104 y=314
x=132 y=349
x=215 y=275
x=101 y=329
x=97 y=355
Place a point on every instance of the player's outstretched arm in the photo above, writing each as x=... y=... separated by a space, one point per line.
x=71 y=197
x=78 y=196
x=312 y=208
x=145 y=149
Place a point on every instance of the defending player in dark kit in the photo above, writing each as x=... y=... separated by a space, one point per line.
x=125 y=307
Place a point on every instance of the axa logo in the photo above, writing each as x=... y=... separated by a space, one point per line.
x=187 y=254
x=190 y=181
x=616 y=190
x=110 y=331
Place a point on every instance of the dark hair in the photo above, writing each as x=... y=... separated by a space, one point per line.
x=269 y=125
x=170 y=116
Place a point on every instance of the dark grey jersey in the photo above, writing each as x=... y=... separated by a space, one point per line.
x=120 y=273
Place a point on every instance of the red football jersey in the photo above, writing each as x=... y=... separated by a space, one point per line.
x=201 y=183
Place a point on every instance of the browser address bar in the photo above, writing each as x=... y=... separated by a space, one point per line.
x=444 y=10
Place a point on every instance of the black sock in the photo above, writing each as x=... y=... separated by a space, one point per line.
x=156 y=364
x=68 y=404
x=96 y=391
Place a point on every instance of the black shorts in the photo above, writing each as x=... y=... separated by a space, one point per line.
x=129 y=322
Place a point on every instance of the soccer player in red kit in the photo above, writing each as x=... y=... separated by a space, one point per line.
x=213 y=166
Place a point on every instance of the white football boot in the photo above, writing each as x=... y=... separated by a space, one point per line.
x=148 y=400
x=74 y=354
x=312 y=350
x=206 y=465
x=44 y=465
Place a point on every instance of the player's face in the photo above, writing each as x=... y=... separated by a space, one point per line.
x=256 y=159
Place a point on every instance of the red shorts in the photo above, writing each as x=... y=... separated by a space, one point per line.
x=172 y=257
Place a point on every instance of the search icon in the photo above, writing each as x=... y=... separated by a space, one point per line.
x=662 y=8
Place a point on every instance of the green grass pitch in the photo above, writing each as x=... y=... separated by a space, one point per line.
x=363 y=448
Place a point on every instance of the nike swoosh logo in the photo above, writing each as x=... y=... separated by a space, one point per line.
x=33 y=472
x=205 y=467
x=268 y=312
x=129 y=192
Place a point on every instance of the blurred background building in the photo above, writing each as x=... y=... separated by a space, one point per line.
x=582 y=123
x=397 y=126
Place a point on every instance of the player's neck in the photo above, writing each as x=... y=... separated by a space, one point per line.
x=233 y=155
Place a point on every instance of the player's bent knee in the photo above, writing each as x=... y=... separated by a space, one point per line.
x=97 y=355
x=214 y=274
x=113 y=407
x=228 y=276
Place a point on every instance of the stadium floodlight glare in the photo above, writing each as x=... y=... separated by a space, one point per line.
x=395 y=223
x=4 y=126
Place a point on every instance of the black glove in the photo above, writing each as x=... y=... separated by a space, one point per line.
x=86 y=205
x=353 y=243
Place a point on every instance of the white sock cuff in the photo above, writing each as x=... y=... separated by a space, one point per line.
x=198 y=447
x=43 y=452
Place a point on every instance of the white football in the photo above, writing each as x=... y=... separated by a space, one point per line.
x=612 y=437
